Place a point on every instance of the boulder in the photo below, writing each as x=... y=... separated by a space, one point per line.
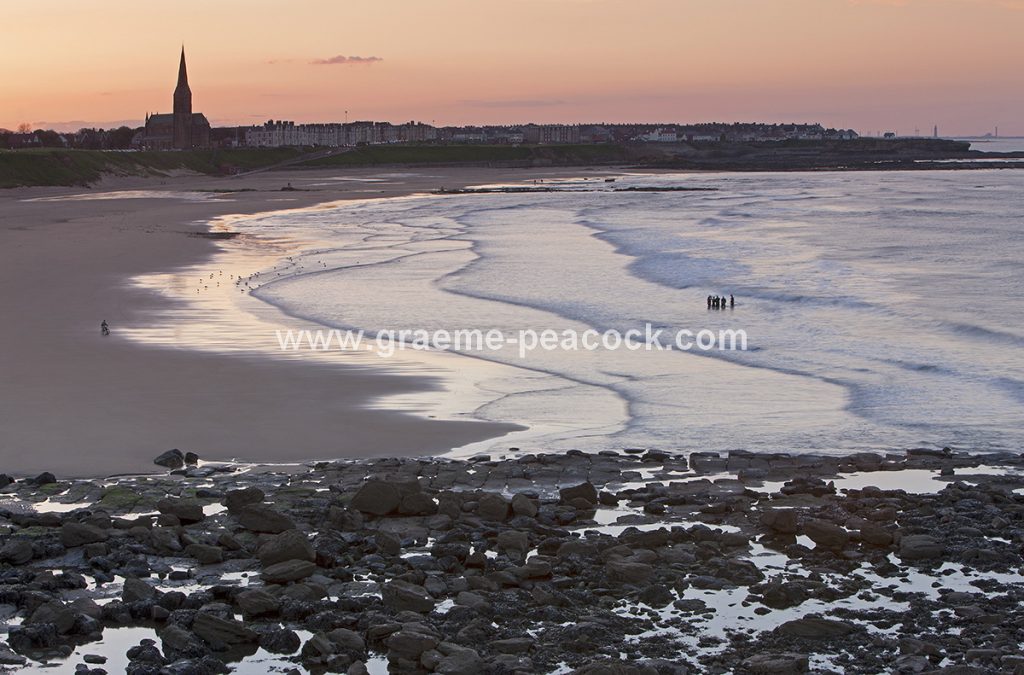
x=179 y=643
x=205 y=554
x=514 y=540
x=629 y=572
x=289 y=545
x=259 y=518
x=234 y=500
x=217 y=631
x=172 y=459
x=45 y=478
x=919 y=547
x=585 y=491
x=185 y=510
x=17 y=552
x=783 y=521
x=493 y=507
x=56 y=613
x=388 y=543
x=875 y=535
x=137 y=590
x=826 y=534
x=78 y=534
x=289 y=570
x=815 y=628
x=777 y=664
x=524 y=506
x=347 y=642
x=411 y=641
x=257 y=602
x=382 y=497
x=458 y=660
x=280 y=641
x=401 y=595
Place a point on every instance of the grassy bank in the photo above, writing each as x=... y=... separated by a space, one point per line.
x=469 y=155
x=81 y=167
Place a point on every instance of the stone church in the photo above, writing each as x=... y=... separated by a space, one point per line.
x=182 y=129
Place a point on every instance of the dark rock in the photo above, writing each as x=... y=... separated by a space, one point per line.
x=493 y=507
x=777 y=664
x=179 y=643
x=401 y=596
x=280 y=641
x=237 y=499
x=524 y=506
x=816 y=628
x=920 y=547
x=172 y=459
x=585 y=491
x=780 y=520
x=629 y=572
x=458 y=660
x=289 y=545
x=78 y=534
x=186 y=510
x=388 y=543
x=826 y=534
x=55 y=613
x=875 y=535
x=257 y=602
x=347 y=642
x=17 y=552
x=289 y=570
x=204 y=554
x=258 y=518
x=382 y=497
x=136 y=590
x=411 y=641
x=218 y=632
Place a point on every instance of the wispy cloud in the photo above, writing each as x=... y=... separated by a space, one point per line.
x=511 y=103
x=346 y=61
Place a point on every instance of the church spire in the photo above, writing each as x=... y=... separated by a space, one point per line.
x=182 y=72
x=182 y=108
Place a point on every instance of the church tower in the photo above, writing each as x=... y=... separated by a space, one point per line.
x=182 y=108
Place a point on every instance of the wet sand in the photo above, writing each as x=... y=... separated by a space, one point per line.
x=77 y=404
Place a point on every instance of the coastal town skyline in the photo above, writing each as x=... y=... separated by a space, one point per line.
x=473 y=69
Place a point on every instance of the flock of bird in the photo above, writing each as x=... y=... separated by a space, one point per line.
x=252 y=281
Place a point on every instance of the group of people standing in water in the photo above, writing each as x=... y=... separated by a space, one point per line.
x=721 y=302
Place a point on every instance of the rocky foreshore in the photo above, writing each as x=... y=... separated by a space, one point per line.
x=631 y=562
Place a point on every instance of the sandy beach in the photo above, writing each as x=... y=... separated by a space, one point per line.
x=77 y=404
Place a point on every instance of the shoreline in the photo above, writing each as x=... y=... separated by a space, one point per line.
x=78 y=407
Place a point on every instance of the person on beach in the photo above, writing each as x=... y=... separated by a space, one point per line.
x=104 y=328
x=732 y=301
x=709 y=302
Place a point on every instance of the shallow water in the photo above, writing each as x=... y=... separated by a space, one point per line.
x=883 y=310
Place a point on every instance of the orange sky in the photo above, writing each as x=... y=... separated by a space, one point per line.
x=867 y=64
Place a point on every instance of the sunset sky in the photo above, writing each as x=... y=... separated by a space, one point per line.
x=865 y=64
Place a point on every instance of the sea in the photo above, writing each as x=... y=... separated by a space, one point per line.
x=881 y=310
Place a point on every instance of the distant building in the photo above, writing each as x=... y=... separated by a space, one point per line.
x=660 y=136
x=181 y=129
x=551 y=133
